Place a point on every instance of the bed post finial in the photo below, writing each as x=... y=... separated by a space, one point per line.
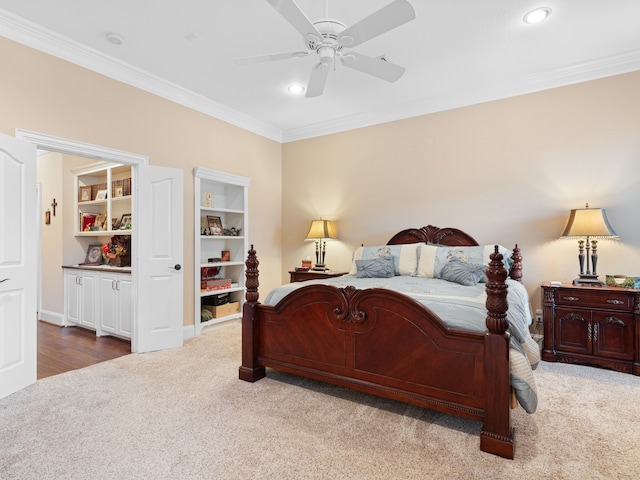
x=251 y=276
x=516 y=268
x=496 y=294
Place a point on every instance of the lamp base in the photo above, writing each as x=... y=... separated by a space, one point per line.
x=319 y=268
x=589 y=280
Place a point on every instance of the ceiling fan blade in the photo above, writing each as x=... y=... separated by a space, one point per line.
x=269 y=58
x=393 y=15
x=373 y=66
x=319 y=74
x=296 y=17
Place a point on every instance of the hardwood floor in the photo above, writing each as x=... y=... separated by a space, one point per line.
x=69 y=348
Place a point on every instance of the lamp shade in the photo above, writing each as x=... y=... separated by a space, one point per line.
x=588 y=222
x=321 y=229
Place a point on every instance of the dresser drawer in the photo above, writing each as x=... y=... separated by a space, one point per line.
x=592 y=298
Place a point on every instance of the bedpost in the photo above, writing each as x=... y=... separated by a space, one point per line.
x=250 y=371
x=497 y=435
x=516 y=268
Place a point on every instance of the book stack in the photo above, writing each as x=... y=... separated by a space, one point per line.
x=215 y=284
x=121 y=188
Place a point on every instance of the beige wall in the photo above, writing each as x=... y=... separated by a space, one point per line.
x=44 y=94
x=49 y=176
x=506 y=171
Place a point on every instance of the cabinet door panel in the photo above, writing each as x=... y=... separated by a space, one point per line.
x=573 y=331
x=108 y=300
x=89 y=300
x=72 y=298
x=125 y=306
x=613 y=335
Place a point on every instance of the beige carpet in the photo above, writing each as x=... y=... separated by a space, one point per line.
x=183 y=414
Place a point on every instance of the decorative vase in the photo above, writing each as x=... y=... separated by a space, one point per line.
x=120 y=261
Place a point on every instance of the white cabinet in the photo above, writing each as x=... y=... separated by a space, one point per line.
x=221 y=243
x=80 y=297
x=115 y=311
x=99 y=299
x=103 y=199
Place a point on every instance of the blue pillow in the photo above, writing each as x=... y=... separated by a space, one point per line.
x=383 y=267
x=464 y=273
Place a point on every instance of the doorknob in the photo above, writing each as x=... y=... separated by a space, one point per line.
x=177 y=266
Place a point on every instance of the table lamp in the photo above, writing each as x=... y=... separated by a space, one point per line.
x=319 y=231
x=586 y=224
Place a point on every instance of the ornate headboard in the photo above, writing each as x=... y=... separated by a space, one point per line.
x=430 y=234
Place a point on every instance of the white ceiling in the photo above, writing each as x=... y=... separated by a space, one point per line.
x=456 y=53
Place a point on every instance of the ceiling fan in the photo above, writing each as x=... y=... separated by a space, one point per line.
x=328 y=37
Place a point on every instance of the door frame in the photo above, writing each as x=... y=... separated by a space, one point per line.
x=72 y=147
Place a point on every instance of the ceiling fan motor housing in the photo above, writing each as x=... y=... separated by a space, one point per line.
x=330 y=29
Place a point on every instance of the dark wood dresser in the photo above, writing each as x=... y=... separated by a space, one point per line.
x=592 y=326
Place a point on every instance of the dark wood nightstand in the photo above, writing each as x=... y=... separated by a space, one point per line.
x=302 y=276
x=592 y=325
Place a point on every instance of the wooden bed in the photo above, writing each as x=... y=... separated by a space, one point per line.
x=343 y=336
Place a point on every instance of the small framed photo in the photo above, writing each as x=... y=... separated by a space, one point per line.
x=215 y=225
x=118 y=192
x=101 y=195
x=94 y=255
x=125 y=222
x=84 y=194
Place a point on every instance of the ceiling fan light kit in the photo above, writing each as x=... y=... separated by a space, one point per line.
x=327 y=38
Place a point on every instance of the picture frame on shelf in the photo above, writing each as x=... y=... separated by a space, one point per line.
x=99 y=223
x=125 y=222
x=84 y=194
x=94 y=255
x=101 y=195
x=118 y=192
x=87 y=220
x=215 y=225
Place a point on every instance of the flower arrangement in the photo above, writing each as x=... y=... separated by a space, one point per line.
x=118 y=247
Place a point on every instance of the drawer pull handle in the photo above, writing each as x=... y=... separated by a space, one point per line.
x=615 y=302
x=571 y=299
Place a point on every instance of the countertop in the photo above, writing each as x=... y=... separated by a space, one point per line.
x=100 y=268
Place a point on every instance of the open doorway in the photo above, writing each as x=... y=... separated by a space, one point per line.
x=156 y=269
x=63 y=343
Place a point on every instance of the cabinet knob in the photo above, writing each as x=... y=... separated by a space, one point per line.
x=177 y=266
x=615 y=302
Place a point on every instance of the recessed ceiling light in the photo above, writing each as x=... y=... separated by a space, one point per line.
x=537 y=15
x=115 y=38
x=296 y=89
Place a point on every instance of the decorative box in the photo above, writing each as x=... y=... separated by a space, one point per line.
x=223 y=310
x=219 y=299
x=215 y=284
x=628 y=282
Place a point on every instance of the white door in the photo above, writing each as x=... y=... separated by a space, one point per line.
x=18 y=265
x=158 y=259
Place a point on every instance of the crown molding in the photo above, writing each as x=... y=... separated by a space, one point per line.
x=35 y=36
x=577 y=73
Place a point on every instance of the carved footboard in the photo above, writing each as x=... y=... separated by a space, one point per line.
x=384 y=343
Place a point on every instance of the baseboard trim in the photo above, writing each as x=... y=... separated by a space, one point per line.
x=51 y=317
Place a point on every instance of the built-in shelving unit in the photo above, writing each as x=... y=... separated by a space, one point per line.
x=221 y=233
x=103 y=200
